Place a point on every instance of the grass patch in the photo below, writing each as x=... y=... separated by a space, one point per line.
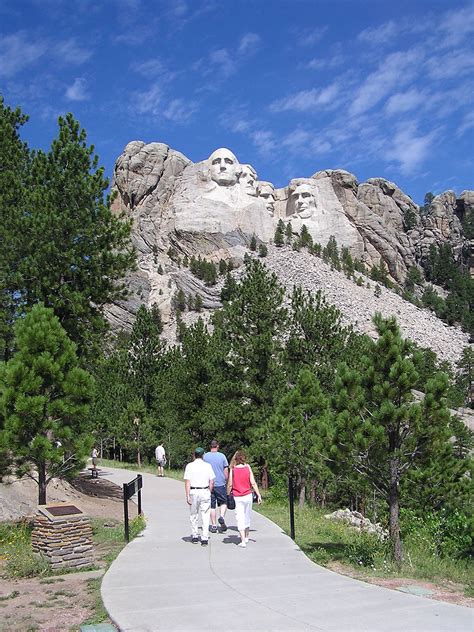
x=15 y=549
x=326 y=541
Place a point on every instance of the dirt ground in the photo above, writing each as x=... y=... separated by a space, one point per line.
x=61 y=603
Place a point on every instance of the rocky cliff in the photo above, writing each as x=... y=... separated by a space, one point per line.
x=213 y=208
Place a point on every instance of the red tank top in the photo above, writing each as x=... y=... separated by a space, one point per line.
x=241 y=481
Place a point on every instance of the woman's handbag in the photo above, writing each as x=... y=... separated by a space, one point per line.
x=254 y=497
x=230 y=501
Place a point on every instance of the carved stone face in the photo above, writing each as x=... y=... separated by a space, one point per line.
x=303 y=200
x=247 y=179
x=224 y=167
x=266 y=191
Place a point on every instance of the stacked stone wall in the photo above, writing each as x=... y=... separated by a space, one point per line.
x=66 y=542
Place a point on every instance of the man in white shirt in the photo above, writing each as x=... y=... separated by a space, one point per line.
x=199 y=482
x=160 y=457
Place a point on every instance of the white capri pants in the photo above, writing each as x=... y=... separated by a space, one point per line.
x=243 y=510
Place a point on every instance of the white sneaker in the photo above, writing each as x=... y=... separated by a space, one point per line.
x=246 y=540
x=242 y=545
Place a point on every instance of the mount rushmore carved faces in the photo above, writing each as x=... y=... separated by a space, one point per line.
x=224 y=168
x=266 y=191
x=302 y=200
x=247 y=179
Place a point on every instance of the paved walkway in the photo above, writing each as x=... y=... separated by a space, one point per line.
x=161 y=581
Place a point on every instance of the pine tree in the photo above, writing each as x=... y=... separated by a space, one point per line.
x=253 y=243
x=75 y=251
x=278 y=238
x=297 y=438
x=465 y=377
x=289 y=233
x=44 y=401
x=180 y=301
x=144 y=354
x=306 y=241
x=262 y=250
x=317 y=338
x=222 y=266
x=198 y=304
x=380 y=429
x=252 y=323
x=14 y=174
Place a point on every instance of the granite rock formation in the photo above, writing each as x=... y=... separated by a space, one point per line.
x=213 y=208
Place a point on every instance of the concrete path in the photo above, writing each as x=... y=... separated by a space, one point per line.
x=161 y=581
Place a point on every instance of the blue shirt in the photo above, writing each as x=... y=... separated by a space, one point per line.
x=218 y=462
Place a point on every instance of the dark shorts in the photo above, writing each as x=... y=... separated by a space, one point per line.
x=218 y=496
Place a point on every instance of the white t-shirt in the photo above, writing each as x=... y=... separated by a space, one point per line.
x=199 y=473
x=159 y=453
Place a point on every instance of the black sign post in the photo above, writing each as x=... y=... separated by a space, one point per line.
x=129 y=489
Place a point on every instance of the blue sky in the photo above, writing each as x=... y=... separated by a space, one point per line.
x=380 y=88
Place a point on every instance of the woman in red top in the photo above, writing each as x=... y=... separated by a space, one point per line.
x=242 y=482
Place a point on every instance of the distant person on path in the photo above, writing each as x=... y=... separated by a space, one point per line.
x=160 y=456
x=241 y=482
x=199 y=482
x=95 y=456
x=219 y=493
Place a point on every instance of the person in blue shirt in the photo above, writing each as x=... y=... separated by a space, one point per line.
x=220 y=466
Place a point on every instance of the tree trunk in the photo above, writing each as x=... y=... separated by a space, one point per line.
x=313 y=491
x=302 y=492
x=42 y=483
x=394 y=508
x=265 y=476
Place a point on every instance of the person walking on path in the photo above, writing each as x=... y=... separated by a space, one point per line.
x=241 y=482
x=220 y=466
x=199 y=482
x=160 y=456
x=95 y=456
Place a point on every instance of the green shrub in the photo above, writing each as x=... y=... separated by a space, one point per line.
x=366 y=550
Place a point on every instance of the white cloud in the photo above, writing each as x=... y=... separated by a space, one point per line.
x=149 y=101
x=223 y=62
x=409 y=148
x=319 y=63
x=307 y=100
x=180 y=8
x=264 y=141
x=152 y=68
x=455 y=64
x=70 y=52
x=466 y=124
x=300 y=142
x=405 y=101
x=456 y=25
x=378 y=35
x=17 y=52
x=249 y=44
x=308 y=37
x=179 y=110
x=78 y=90
x=392 y=72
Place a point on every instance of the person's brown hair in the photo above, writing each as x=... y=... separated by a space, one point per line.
x=240 y=457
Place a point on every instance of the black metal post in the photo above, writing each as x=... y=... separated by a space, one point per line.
x=139 y=494
x=125 y=512
x=291 y=490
